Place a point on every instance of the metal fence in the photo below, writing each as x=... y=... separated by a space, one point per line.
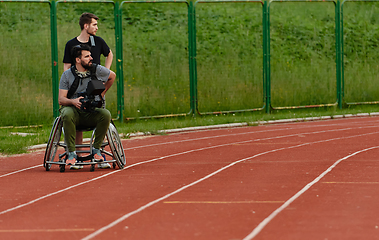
x=256 y=81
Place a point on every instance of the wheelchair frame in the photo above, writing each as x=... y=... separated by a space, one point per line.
x=113 y=141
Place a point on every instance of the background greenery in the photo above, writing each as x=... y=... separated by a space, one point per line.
x=229 y=58
x=303 y=68
x=361 y=37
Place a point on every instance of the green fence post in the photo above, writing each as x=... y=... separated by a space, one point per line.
x=342 y=56
x=194 y=61
x=338 y=54
x=54 y=57
x=119 y=61
x=266 y=56
x=192 y=57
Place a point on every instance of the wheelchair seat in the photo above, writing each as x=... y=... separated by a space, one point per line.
x=112 y=147
x=84 y=128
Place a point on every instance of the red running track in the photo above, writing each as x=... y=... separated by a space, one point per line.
x=308 y=180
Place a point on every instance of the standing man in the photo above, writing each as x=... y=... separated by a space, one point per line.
x=88 y=26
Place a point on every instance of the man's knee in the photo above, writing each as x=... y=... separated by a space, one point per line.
x=67 y=114
x=105 y=115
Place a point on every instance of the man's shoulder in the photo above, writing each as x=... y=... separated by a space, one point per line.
x=68 y=74
x=99 y=40
x=100 y=68
x=66 y=80
x=102 y=72
x=72 y=42
x=97 y=37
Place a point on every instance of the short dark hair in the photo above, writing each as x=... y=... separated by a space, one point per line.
x=86 y=18
x=76 y=51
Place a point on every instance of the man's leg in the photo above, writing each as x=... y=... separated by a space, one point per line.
x=102 y=119
x=70 y=118
x=99 y=119
x=79 y=141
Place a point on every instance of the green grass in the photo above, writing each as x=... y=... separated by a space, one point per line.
x=229 y=61
x=15 y=144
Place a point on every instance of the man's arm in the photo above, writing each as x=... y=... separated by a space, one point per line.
x=67 y=54
x=108 y=84
x=64 y=101
x=108 y=60
x=66 y=66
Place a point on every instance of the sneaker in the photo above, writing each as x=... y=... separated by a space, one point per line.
x=100 y=158
x=76 y=167
x=104 y=165
x=97 y=155
x=71 y=158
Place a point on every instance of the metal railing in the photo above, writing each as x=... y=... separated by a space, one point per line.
x=192 y=54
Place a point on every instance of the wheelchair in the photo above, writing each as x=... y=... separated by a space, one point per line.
x=113 y=142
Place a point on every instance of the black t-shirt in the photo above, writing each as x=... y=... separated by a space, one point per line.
x=100 y=48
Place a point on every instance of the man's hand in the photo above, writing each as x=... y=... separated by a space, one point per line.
x=76 y=102
x=64 y=101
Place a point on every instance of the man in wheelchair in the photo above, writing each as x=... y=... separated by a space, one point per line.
x=81 y=93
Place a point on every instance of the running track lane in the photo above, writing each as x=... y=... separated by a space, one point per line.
x=221 y=184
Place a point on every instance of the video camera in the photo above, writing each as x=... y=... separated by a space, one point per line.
x=92 y=96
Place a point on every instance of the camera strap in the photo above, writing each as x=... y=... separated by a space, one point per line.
x=92 y=39
x=75 y=84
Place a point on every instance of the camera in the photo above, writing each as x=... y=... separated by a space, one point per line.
x=89 y=103
x=92 y=96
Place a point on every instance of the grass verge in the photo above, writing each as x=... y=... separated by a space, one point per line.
x=17 y=140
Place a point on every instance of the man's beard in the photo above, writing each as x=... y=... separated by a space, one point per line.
x=91 y=33
x=87 y=66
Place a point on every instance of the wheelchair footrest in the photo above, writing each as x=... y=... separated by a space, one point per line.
x=94 y=162
x=86 y=158
x=81 y=163
x=59 y=163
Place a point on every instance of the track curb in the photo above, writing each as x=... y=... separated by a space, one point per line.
x=231 y=125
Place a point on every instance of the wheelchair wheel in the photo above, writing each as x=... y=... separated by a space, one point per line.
x=52 y=144
x=116 y=146
x=62 y=168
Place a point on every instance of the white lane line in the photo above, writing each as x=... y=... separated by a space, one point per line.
x=55 y=193
x=46 y=230
x=187 y=140
x=237 y=134
x=261 y=225
x=100 y=177
x=160 y=158
x=172 y=142
x=260 y=131
x=18 y=171
x=140 y=209
x=217 y=136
